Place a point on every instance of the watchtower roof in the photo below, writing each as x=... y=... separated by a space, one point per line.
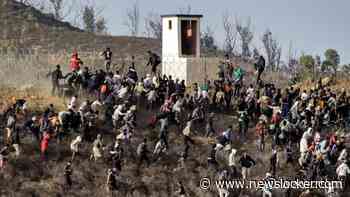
x=182 y=15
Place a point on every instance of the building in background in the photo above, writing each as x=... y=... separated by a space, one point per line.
x=181 y=48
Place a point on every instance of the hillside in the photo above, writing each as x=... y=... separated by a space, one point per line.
x=28 y=29
x=31 y=43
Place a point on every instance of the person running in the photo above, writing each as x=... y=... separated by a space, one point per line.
x=107 y=54
x=67 y=175
x=4 y=152
x=273 y=162
x=116 y=154
x=259 y=67
x=246 y=163
x=33 y=126
x=159 y=149
x=97 y=148
x=267 y=189
x=260 y=132
x=111 y=181
x=56 y=76
x=212 y=162
x=44 y=145
x=10 y=126
x=232 y=162
x=74 y=146
x=154 y=61
x=187 y=133
x=142 y=152
x=75 y=62
x=210 y=125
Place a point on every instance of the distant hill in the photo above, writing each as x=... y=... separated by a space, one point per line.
x=25 y=27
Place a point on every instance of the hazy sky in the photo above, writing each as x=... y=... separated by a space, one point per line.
x=311 y=25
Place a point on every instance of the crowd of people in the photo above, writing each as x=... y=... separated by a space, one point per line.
x=306 y=127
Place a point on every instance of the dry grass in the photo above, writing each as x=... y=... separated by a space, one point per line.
x=341 y=83
x=37 y=98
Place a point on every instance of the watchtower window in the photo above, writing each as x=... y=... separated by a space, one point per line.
x=170 y=25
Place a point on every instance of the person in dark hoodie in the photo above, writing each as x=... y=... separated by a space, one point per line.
x=153 y=60
x=56 y=76
x=67 y=175
x=246 y=162
x=260 y=67
x=107 y=54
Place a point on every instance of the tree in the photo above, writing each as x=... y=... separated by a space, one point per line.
x=89 y=19
x=133 y=19
x=326 y=65
x=292 y=57
x=317 y=61
x=57 y=8
x=256 y=53
x=346 y=68
x=246 y=36
x=307 y=60
x=230 y=33
x=41 y=5
x=101 y=26
x=153 y=26
x=208 y=41
x=332 y=59
x=273 y=50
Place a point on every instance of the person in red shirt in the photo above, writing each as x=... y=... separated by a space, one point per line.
x=75 y=62
x=275 y=121
x=44 y=144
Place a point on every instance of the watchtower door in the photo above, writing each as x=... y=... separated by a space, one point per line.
x=188 y=37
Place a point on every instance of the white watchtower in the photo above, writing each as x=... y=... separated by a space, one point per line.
x=181 y=46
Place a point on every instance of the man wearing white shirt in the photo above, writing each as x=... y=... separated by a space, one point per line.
x=117 y=115
x=232 y=161
x=123 y=92
x=96 y=105
x=304 y=96
x=343 y=171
